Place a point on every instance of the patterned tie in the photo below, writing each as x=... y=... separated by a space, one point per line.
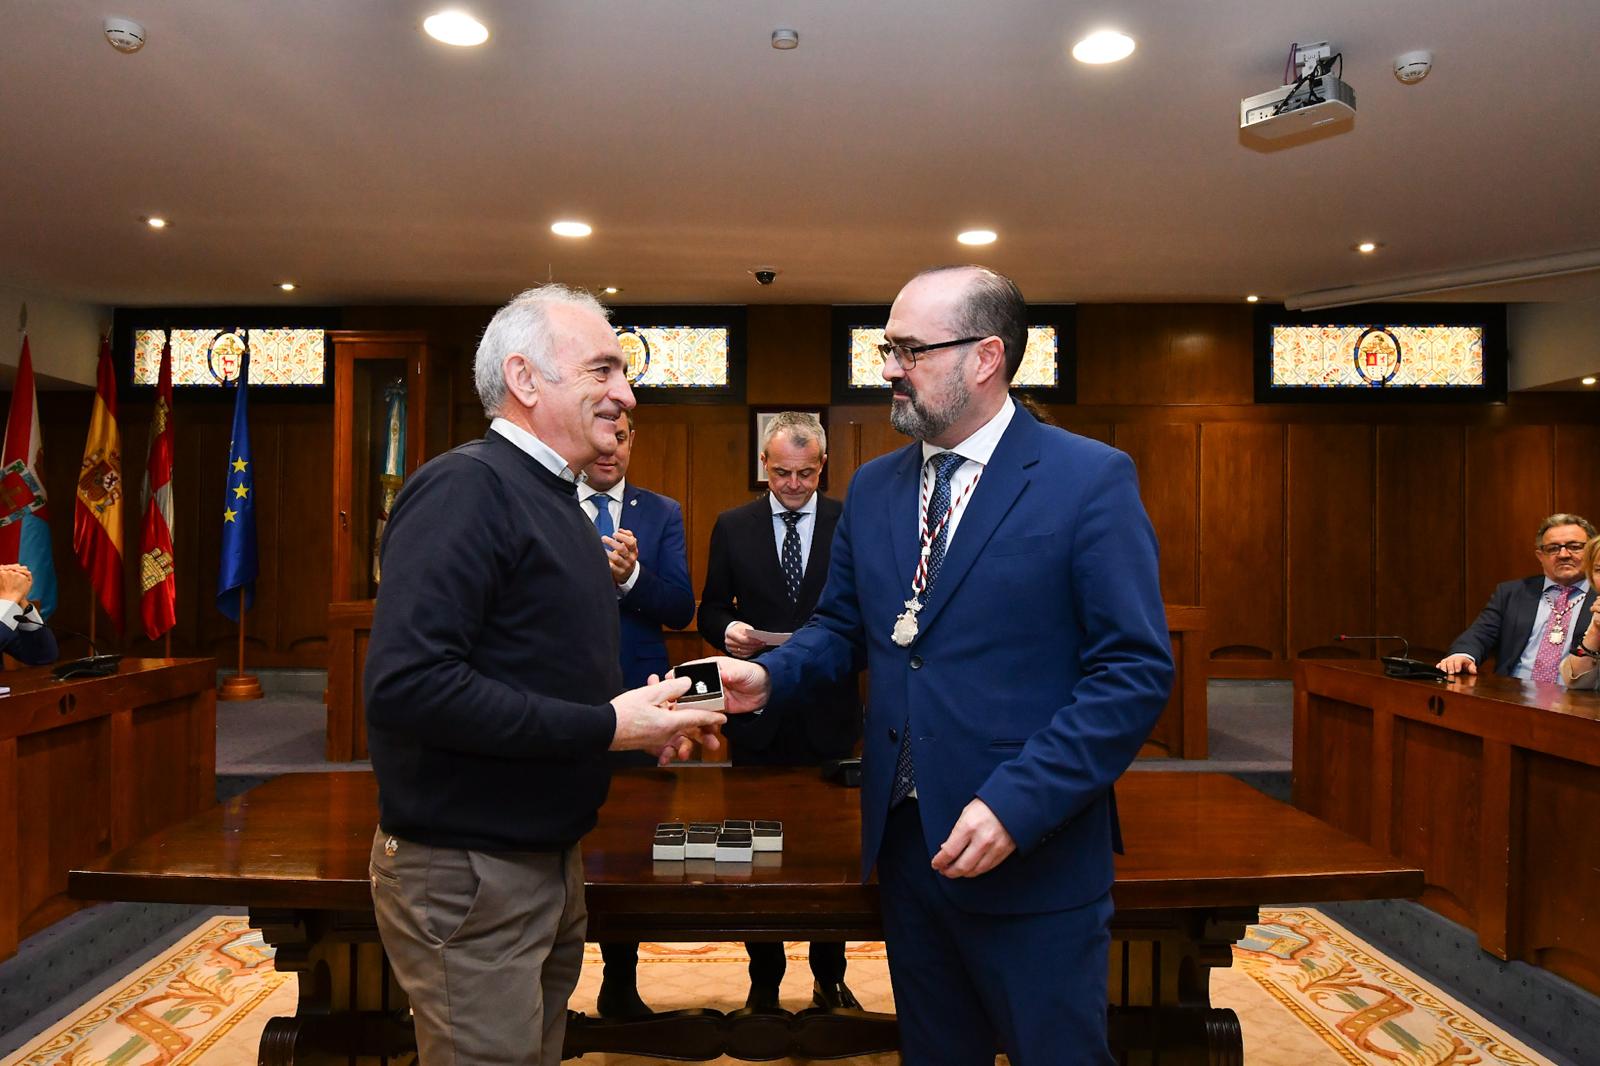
x=790 y=556
x=945 y=464
x=1547 y=664
x=602 y=514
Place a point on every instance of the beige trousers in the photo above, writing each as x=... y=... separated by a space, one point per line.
x=487 y=946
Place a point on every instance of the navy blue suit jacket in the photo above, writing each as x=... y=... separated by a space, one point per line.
x=662 y=596
x=34 y=647
x=1042 y=662
x=1505 y=625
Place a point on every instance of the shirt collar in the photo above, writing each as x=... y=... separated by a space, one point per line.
x=1582 y=587
x=978 y=448
x=542 y=453
x=585 y=490
x=809 y=507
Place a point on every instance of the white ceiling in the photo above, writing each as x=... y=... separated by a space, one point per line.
x=330 y=142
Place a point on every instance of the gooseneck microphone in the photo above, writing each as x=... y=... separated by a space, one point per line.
x=95 y=664
x=1402 y=665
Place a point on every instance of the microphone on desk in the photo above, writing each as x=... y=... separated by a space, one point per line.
x=1402 y=665
x=94 y=664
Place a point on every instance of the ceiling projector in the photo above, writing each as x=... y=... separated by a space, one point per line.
x=1308 y=104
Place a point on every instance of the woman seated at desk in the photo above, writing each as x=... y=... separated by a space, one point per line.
x=23 y=634
x=1581 y=669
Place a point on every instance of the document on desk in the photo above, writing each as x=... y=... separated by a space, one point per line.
x=771 y=640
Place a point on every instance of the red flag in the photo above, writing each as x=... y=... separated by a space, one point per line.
x=158 y=589
x=25 y=536
x=97 y=515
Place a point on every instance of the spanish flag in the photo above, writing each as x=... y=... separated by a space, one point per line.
x=97 y=518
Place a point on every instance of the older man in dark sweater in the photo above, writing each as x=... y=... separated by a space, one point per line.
x=492 y=686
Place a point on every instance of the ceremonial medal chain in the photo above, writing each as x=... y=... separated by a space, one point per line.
x=905 y=626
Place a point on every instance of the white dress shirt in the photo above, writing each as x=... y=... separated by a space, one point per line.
x=586 y=495
x=977 y=449
x=13 y=617
x=804 y=529
x=1524 y=667
x=542 y=452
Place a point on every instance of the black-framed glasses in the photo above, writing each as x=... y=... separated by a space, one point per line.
x=908 y=354
x=1571 y=548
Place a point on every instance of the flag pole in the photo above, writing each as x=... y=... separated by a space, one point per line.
x=168 y=638
x=92 y=612
x=241 y=686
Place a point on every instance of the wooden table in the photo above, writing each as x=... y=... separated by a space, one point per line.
x=1492 y=786
x=90 y=766
x=1204 y=851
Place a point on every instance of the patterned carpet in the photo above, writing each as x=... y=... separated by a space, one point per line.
x=1307 y=991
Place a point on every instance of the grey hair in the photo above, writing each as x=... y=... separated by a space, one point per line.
x=523 y=326
x=803 y=427
x=1562 y=520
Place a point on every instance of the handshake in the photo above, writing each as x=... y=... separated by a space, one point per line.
x=668 y=718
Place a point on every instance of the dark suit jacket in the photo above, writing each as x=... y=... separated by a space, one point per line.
x=1505 y=625
x=1041 y=664
x=662 y=596
x=744 y=583
x=36 y=647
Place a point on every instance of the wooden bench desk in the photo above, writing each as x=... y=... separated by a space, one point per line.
x=1204 y=851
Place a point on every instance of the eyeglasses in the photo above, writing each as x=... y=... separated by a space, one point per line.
x=908 y=354
x=1573 y=548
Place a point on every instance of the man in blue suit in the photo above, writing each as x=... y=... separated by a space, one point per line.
x=23 y=634
x=643 y=535
x=999 y=577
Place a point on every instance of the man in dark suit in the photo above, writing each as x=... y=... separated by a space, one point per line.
x=768 y=561
x=1528 y=623
x=643 y=536
x=1000 y=578
x=23 y=634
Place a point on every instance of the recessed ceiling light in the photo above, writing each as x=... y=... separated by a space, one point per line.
x=976 y=236
x=155 y=222
x=1103 y=46
x=286 y=286
x=610 y=290
x=455 y=27
x=1252 y=298
x=785 y=39
x=571 y=229
x=1588 y=381
x=1367 y=247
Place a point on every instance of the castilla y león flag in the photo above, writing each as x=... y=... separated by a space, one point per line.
x=158 y=589
x=97 y=516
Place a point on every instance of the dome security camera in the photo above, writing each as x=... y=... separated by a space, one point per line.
x=765 y=275
x=125 y=35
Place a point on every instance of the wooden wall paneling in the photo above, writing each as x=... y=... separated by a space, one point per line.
x=1577 y=451
x=302 y=525
x=719 y=479
x=1167 y=458
x=660 y=460
x=1508 y=493
x=1242 y=547
x=1148 y=354
x=1435 y=821
x=1420 y=566
x=1329 y=543
x=788 y=354
x=1561 y=869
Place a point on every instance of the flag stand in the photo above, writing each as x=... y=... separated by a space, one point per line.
x=240 y=686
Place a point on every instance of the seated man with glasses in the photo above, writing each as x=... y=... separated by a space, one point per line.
x=1528 y=623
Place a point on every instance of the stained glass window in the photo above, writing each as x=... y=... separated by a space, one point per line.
x=1040 y=366
x=1345 y=356
x=676 y=357
x=277 y=356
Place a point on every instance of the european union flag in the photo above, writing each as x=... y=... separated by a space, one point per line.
x=239 y=564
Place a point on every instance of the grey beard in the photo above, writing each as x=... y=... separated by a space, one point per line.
x=923 y=423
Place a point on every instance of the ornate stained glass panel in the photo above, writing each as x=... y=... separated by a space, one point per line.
x=674 y=357
x=1362 y=356
x=277 y=356
x=1040 y=360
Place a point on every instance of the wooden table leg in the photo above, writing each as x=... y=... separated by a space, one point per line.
x=1160 y=986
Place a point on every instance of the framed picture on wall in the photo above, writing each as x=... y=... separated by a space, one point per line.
x=760 y=418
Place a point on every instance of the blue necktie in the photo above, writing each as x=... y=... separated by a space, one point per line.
x=944 y=468
x=602 y=514
x=790 y=555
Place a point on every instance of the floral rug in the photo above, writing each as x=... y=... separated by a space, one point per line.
x=1308 y=993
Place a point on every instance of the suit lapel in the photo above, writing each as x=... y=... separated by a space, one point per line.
x=900 y=511
x=1526 y=610
x=1002 y=482
x=762 y=528
x=816 y=574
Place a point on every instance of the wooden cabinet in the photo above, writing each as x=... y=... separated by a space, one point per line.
x=392 y=411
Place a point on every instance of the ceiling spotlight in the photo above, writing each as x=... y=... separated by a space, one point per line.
x=1588 y=381
x=785 y=39
x=455 y=27
x=571 y=229
x=1103 y=46
x=610 y=290
x=976 y=236
x=1252 y=298
x=286 y=286
x=155 y=222
x=1367 y=247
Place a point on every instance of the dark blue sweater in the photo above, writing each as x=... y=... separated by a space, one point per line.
x=493 y=657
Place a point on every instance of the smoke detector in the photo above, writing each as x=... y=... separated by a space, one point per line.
x=125 y=35
x=1412 y=67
